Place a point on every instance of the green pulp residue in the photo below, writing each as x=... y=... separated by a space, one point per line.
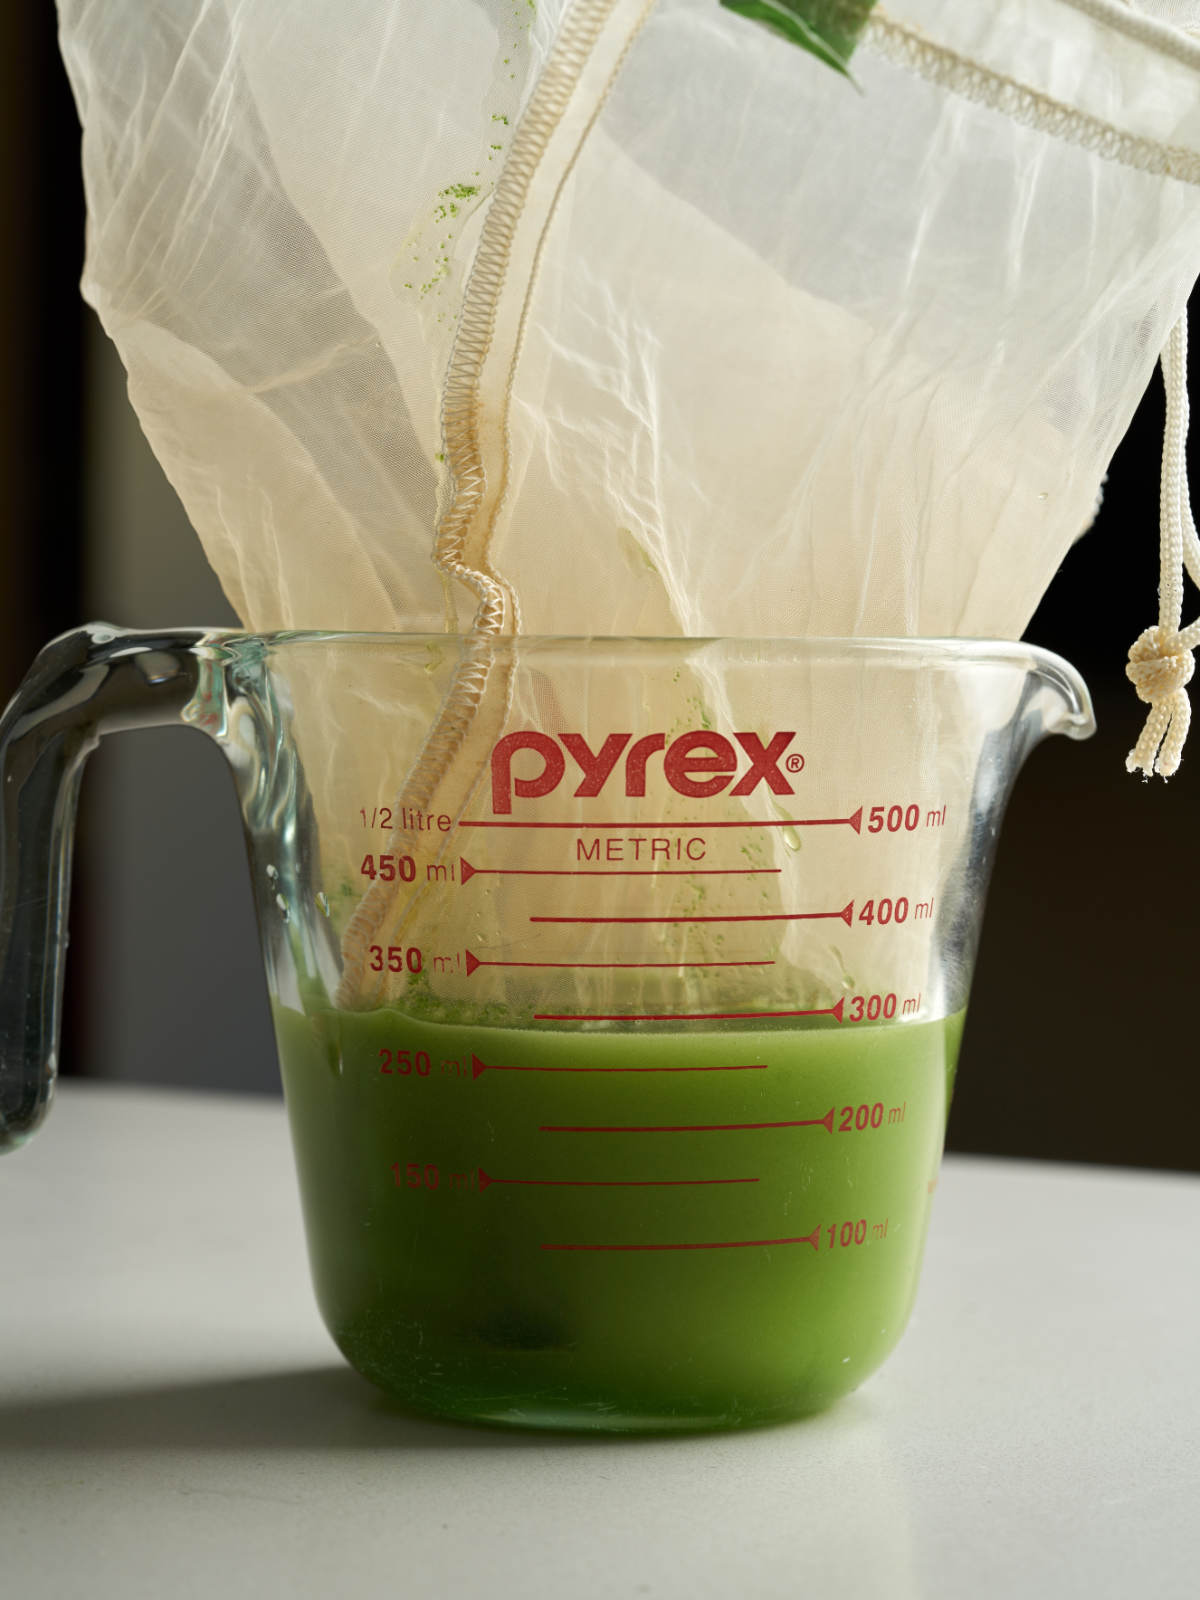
x=829 y=29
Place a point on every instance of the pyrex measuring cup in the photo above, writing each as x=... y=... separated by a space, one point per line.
x=617 y=1067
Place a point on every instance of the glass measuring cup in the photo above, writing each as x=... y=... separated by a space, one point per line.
x=618 y=1024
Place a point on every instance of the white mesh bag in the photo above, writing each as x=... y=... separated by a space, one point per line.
x=733 y=317
x=629 y=317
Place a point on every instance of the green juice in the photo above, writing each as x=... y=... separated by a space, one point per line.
x=614 y=1230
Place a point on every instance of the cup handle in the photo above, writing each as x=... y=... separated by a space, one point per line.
x=93 y=681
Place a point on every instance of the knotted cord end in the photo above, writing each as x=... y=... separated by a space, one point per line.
x=1160 y=667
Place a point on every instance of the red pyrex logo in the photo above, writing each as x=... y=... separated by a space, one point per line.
x=683 y=759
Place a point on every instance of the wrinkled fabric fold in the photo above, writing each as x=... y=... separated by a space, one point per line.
x=789 y=358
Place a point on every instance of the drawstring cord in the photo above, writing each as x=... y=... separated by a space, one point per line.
x=1161 y=661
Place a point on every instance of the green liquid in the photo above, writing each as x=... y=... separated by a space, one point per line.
x=471 y=1244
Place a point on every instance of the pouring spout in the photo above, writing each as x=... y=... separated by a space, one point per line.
x=1059 y=701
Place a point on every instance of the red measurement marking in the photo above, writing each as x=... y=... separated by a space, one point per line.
x=472 y=962
x=825 y=1122
x=486 y=1180
x=466 y=872
x=854 y=822
x=812 y=1238
x=846 y=914
x=681 y=1016
x=478 y=1066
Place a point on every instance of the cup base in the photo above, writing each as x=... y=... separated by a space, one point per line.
x=585 y=1413
x=562 y=1391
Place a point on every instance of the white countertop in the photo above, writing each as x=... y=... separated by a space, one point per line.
x=174 y=1421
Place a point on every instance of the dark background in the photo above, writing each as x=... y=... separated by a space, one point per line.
x=1081 y=1038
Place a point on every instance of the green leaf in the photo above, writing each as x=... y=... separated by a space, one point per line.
x=828 y=28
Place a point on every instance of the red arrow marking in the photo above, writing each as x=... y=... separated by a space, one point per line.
x=825 y=1122
x=846 y=914
x=486 y=1180
x=813 y=1238
x=681 y=1016
x=466 y=872
x=472 y=962
x=854 y=822
x=478 y=1066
